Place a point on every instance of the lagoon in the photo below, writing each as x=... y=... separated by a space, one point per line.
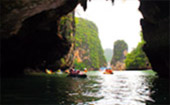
x=121 y=88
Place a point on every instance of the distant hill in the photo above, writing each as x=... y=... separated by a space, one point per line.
x=120 y=51
x=120 y=48
x=108 y=53
x=88 y=49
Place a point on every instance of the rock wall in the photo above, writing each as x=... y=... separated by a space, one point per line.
x=14 y=13
x=89 y=53
x=155 y=26
x=33 y=35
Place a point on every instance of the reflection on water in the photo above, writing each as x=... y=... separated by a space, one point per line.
x=122 y=88
x=125 y=88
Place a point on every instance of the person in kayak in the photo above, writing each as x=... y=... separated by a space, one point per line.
x=73 y=71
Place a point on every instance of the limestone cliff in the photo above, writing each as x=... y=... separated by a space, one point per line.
x=66 y=32
x=155 y=26
x=119 y=54
x=89 y=52
x=15 y=12
x=34 y=35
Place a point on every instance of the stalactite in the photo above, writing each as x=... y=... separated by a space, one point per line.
x=83 y=3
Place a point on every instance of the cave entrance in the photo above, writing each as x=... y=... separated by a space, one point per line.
x=120 y=21
x=36 y=45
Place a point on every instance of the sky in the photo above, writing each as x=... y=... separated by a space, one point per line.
x=120 y=21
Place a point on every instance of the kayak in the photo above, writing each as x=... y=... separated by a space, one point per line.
x=108 y=71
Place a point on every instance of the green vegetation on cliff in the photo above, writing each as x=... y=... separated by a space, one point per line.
x=137 y=59
x=120 y=49
x=88 y=46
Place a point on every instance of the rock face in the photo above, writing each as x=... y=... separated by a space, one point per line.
x=33 y=35
x=14 y=13
x=66 y=31
x=120 y=51
x=89 y=53
x=155 y=27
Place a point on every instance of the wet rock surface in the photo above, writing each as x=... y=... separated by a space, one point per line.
x=155 y=26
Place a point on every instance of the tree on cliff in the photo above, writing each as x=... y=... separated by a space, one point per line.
x=89 y=52
x=137 y=59
x=119 y=50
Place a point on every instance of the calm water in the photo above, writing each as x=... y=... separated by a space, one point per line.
x=122 y=88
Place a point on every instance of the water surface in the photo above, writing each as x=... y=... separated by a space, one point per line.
x=121 y=88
